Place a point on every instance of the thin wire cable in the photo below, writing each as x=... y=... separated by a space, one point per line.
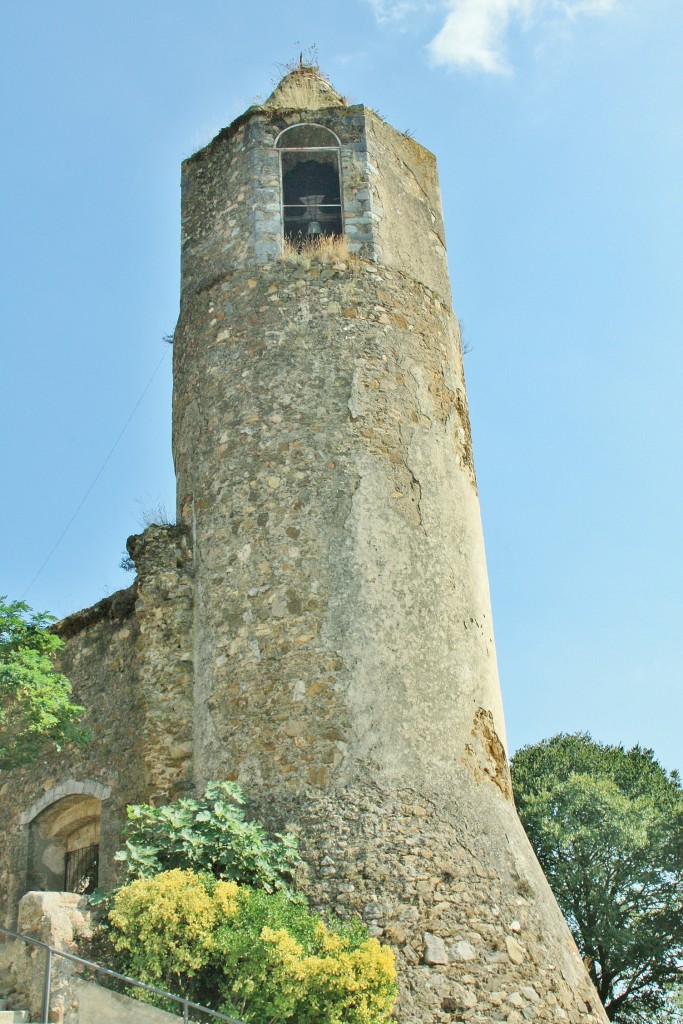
x=97 y=475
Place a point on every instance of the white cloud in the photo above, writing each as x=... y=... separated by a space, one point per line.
x=475 y=31
x=387 y=11
x=473 y=34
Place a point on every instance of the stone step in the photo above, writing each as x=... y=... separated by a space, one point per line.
x=13 y=1016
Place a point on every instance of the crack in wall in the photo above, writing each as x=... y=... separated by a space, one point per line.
x=416 y=488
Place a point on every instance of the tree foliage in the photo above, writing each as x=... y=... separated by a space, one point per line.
x=607 y=827
x=36 y=713
x=258 y=956
x=208 y=833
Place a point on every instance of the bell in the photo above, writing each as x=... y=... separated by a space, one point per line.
x=311 y=215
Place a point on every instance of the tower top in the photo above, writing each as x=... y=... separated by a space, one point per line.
x=304 y=88
x=244 y=192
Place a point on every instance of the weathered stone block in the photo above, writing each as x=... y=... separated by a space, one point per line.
x=434 y=949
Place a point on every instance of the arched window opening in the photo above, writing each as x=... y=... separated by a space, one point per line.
x=311 y=182
x=64 y=846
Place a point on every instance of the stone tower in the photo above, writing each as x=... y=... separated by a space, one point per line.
x=344 y=663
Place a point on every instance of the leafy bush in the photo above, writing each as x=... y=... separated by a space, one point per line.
x=208 y=834
x=259 y=956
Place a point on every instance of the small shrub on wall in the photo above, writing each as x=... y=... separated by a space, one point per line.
x=251 y=954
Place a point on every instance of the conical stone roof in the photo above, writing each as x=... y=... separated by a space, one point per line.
x=304 y=88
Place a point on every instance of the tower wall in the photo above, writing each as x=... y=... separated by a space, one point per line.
x=345 y=670
x=324 y=466
x=326 y=475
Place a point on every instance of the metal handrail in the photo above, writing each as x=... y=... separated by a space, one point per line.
x=51 y=951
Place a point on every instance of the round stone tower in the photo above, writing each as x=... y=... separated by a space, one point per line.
x=345 y=669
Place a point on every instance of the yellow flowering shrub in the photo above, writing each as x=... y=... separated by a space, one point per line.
x=337 y=984
x=282 y=962
x=258 y=956
x=226 y=898
x=164 y=926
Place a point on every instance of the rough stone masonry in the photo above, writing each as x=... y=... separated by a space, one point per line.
x=318 y=625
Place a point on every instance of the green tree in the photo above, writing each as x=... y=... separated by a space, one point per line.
x=36 y=713
x=607 y=827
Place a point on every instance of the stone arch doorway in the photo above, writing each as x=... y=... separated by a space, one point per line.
x=64 y=839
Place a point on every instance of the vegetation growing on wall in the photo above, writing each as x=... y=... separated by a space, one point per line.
x=332 y=250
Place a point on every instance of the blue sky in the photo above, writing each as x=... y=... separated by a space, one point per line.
x=557 y=127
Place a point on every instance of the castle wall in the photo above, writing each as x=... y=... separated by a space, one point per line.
x=129 y=659
x=448 y=878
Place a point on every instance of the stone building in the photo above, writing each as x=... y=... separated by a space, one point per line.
x=317 y=625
